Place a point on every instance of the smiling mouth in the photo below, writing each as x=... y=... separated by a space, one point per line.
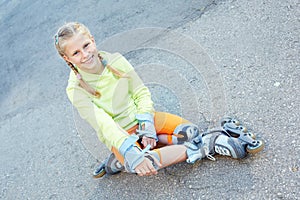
x=89 y=60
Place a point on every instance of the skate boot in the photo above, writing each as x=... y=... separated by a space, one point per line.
x=218 y=143
x=233 y=128
x=110 y=166
x=214 y=143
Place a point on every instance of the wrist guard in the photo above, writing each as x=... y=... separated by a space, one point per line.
x=147 y=121
x=132 y=154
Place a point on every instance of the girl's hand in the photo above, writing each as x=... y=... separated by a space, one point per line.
x=146 y=141
x=146 y=167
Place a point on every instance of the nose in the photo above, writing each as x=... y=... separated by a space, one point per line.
x=84 y=54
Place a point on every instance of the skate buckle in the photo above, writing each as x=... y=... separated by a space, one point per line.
x=232 y=130
x=209 y=156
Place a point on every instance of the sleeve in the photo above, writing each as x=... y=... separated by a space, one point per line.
x=139 y=92
x=108 y=132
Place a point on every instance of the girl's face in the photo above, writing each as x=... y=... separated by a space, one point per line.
x=81 y=51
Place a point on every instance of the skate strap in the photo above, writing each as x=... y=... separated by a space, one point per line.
x=212 y=143
x=210 y=152
x=207 y=154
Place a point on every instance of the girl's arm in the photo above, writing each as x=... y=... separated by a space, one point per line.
x=108 y=132
x=144 y=104
x=140 y=95
x=139 y=92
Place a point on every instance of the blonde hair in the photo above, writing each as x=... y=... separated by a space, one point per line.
x=66 y=32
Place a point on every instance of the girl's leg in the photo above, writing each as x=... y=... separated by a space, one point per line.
x=172 y=154
x=166 y=125
x=167 y=155
x=160 y=158
x=171 y=129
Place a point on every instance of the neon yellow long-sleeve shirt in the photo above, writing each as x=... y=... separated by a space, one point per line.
x=121 y=99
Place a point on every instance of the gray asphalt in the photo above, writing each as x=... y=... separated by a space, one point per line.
x=200 y=59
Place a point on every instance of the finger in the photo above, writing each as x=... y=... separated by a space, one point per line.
x=145 y=168
x=149 y=172
x=152 y=169
x=154 y=162
x=140 y=171
x=149 y=169
x=144 y=141
x=153 y=144
x=150 y=142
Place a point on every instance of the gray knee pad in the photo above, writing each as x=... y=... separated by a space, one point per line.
x=186 y=132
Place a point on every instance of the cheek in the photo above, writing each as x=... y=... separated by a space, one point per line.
x=93 y=48
x=75 y=60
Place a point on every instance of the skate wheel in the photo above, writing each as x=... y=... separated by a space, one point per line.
x=252 y=135
x=236 y=122
x=98 y=173
x=243 y=129
x=225 y=120
x=229 y=120
x=259 y=146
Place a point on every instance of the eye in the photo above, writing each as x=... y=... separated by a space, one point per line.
x=86 y=45
x=75 y=53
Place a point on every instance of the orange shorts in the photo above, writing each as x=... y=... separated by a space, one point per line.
x=165 y=123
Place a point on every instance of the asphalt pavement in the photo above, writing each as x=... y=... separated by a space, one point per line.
x=201 y=60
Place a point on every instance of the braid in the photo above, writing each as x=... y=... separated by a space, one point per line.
x=60 y=39
x=100 y=57
x=73 y=68
x=113 y=70
x=82 y=83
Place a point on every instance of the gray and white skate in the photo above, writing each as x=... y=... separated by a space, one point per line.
x=110 y=166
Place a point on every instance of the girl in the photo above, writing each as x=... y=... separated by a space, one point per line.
x=111 y=97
